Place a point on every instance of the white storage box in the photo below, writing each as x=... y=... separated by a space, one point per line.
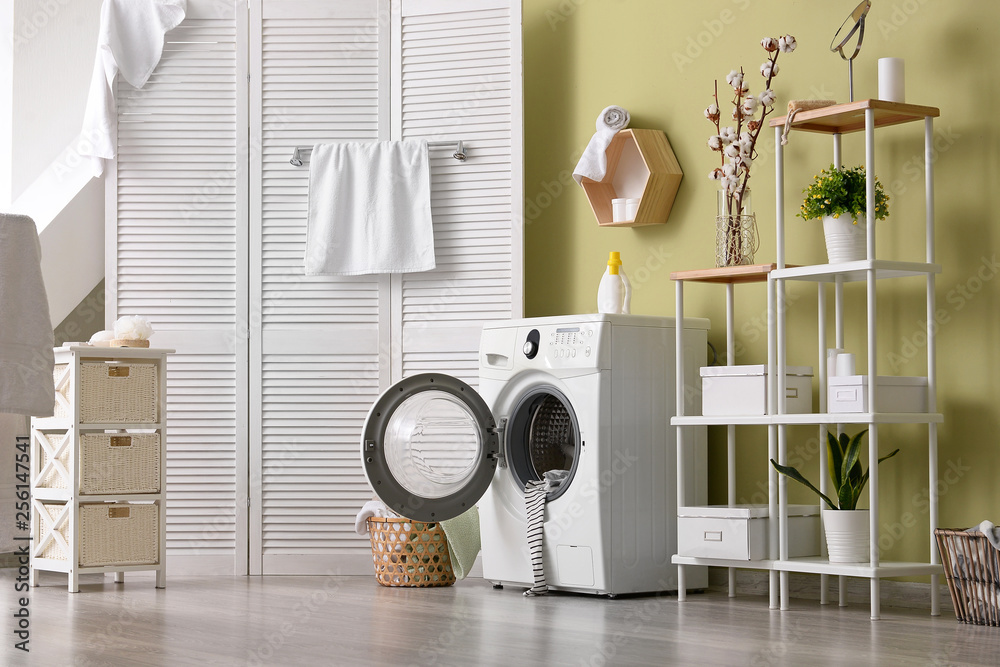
x=740 y=532
x=849 y=393
x=742 y=390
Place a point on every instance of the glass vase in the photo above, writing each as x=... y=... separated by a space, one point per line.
x=735 y=230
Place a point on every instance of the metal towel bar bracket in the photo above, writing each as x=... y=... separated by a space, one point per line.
x=301 y=153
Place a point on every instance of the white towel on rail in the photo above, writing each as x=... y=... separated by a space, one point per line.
x=26 y=358
x=130 y=42
x=369 y=209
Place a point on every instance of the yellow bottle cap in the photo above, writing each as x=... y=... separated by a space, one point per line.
x=614 y=261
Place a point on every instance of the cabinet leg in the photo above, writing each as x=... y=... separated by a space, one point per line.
x=732 y=582
x=876 y=602
x=74 y=582
x=681 y=587
x=161 y=578
x=935 y=599
x=119 y=577
x=824 y=585
x=842 y=591
x=772 y=589
x=784 y=591
x=32 y=577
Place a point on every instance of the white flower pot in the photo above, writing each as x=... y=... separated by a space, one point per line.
x=847 y=535
x=845 y=241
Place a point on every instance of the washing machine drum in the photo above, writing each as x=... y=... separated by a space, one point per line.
x=430 y=447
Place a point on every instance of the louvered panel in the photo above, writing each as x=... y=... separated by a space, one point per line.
x=176 y=201
x=312 y=484
x=456 y=78
x=322 y=90
x=319 y=362
x=465 y=368
x=178 y=256
x=201 y=454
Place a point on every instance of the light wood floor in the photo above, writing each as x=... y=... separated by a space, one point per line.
x=354 y=621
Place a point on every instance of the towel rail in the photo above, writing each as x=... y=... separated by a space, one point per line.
x=301 y=153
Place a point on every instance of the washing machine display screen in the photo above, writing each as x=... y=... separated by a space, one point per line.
x=432 y=444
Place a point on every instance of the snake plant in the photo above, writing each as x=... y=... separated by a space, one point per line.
x=843 y=455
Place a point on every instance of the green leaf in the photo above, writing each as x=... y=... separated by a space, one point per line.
x=789 y=471
x=852 y=464
x=848 y=497
x=835 y=458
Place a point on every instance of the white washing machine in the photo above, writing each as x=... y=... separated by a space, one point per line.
x=591 y=394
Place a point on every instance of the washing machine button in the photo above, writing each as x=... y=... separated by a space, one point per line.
x=573 y=353
x=587 y=351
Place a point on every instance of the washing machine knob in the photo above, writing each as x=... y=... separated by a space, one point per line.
x=531 y=341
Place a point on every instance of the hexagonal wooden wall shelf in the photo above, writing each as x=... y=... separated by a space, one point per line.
x=641 y=165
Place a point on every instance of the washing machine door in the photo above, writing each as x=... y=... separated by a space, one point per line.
x=430 y=447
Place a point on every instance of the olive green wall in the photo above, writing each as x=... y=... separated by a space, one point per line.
x=658 y=59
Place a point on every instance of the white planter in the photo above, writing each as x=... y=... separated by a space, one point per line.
x=847 y=535
x=845 y=241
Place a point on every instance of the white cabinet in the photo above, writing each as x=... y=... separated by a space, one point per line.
x=97 y=465
x=867 y=116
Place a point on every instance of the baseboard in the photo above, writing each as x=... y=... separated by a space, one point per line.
x=901 y=594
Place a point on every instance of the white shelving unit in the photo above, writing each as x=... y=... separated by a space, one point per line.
x=67 y=480
x=867 y=116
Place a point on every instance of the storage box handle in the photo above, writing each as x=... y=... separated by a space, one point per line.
x=791 y=392
x=713 y=536
x=117 y=371
x=119 y=512
x=121 y=441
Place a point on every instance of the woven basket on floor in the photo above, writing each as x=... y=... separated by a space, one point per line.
x=973 y=572
x=410 y=553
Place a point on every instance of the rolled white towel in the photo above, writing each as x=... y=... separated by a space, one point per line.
x=593 y=163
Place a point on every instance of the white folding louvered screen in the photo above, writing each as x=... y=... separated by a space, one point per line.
x=275 y=371
x=458 y=68
x=177 y=253
x=316 y=362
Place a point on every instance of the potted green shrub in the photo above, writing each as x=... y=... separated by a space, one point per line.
x=838 y=198
x=847 y=534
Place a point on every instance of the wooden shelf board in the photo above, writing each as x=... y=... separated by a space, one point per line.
x=751 y=273
x=819 y=565
x=855 y=271
x=850 y=117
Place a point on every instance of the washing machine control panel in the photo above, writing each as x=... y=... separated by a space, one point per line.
x=570 y=346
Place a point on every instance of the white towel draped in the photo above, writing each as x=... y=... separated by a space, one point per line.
x=130 y=43
x=369 y=209
x=26 y=359
x=593 y=163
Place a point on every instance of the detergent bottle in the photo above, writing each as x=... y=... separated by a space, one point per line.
x=615 y=293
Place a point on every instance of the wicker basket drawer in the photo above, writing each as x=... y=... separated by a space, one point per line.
x=109 y=533
x=119 y=534
x=112 y=393
x=119 y=463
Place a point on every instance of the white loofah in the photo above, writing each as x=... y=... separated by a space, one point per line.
x=133 y=327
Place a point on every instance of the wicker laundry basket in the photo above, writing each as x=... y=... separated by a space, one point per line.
x=973 y=572
x=410 y=553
